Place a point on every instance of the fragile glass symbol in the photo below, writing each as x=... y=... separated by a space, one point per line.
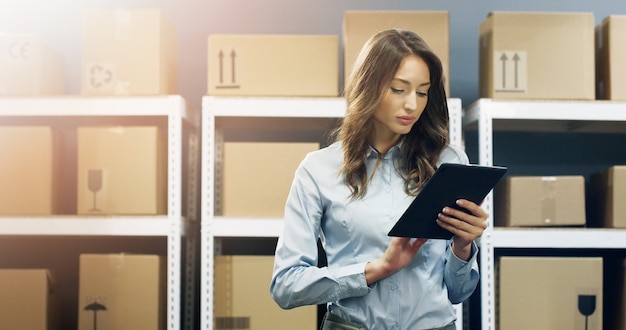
x=94 y=183
x=586 y=306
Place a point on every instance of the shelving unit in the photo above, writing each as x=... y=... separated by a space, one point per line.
x=181 y=123
x=290 y=119
x=488 y=116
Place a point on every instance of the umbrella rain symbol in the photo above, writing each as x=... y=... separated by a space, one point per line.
x=95 y=307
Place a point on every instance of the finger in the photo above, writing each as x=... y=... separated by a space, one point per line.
x=466 y=223
x=472 y=207
x=475 y=220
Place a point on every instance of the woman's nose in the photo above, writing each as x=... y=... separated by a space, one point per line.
x=410 y=102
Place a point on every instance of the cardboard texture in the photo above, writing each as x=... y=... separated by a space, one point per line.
x=121 y=170
x=527 y=201
x=432 y=26
x=273 y=65
x=607 y=196
x=128 y=52
x=611 y=58
x=30 y=67
x=121 y=291
x=242 y=299
x=547 y=293
x=27 y=300
x=28 y=177
x=536 y=55
x=257 y=176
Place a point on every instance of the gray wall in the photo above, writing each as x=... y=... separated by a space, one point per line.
x=59 y=23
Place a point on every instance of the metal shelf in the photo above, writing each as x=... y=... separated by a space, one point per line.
x=171 y=110
x=283 y=107
x=246 y=227
x=298 y=118
x=559 y=116
x=558 y=238
x=93 y=226
x=173 y=105
x=488 y=116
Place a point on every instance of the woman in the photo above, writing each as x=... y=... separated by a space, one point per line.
x=350 y=194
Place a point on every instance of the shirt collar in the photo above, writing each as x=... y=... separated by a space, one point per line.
x=373 y=153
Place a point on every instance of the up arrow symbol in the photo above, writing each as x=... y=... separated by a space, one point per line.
x=233 y=54
x=503 y=58
x=516 y=59
x=221 y=57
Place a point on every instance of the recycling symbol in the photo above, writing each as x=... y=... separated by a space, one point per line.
x=100 y=76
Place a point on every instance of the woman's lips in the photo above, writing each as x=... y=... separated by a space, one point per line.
x=406 y=120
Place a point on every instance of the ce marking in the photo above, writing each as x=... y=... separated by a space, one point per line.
x=20 y=50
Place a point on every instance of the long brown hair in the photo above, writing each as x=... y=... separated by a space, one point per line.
x=372 y=73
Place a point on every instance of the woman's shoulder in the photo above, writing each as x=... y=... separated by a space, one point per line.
x=453 y=154
x=329 y=155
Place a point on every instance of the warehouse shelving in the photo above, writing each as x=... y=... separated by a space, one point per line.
x=282 y=118
x=488 y=116
x=183 y=145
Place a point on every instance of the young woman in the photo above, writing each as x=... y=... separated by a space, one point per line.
x=350 y=194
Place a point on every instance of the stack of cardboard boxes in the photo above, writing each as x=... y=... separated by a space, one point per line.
x=116 y=291
x=256 y=175
x=29 y=67
x=554 y=56
x=120 y=169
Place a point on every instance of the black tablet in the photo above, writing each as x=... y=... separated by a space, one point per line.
x=449 y=183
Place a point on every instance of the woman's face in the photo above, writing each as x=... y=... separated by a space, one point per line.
x=403 y=101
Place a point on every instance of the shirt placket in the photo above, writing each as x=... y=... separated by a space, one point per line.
x=394 y=292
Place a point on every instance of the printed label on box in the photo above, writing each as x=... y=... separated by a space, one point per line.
x=227 y=69
x=510 y=71
x=100 y=77
x=19 y=50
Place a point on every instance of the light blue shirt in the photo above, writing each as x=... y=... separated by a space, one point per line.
x=354 y=232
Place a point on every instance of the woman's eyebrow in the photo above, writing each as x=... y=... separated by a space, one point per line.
x=404 y=81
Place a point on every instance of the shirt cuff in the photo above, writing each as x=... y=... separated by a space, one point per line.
x=352 y=279
x=460 y=266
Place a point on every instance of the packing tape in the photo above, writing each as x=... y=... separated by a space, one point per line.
x=548 y=200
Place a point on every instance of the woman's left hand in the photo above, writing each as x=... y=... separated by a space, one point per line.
x=466 y=225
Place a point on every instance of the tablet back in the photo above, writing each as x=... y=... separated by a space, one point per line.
x=449 y=183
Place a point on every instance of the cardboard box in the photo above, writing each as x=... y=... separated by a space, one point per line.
x=546 y=293
x=128 y=52
x=273 y=65
x=607 y=196
x=537 y=56
x=257 y=176
x=29 y=66
x=432 y=26
x=611 y=58
x=242 y=299
x=28 y=171
x=121 y=170
x=122 y=291
x=28 y=300
x=526 y=201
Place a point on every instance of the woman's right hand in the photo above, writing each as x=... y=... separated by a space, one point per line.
x=399 y=253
